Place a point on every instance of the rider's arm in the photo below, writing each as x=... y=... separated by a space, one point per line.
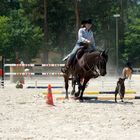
x=81 y=37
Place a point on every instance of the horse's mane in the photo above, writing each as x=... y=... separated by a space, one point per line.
x=92 y=54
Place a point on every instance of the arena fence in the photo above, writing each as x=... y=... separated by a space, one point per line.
x=103 y=83
x=27 y=73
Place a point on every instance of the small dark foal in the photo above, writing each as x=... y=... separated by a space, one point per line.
x=120 y=88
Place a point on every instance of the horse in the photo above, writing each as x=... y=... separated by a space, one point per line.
x=89 y=65
x=127 y=72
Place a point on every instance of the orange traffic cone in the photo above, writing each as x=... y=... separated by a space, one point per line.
x=49 y=97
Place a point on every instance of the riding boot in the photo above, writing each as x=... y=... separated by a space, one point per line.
x=69 y=63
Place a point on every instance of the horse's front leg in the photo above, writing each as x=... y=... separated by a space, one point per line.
x=83 y=89
x=77 y=78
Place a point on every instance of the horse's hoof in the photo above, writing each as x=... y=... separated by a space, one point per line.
x=76 y=98
x=76 y=94
x=81 y=100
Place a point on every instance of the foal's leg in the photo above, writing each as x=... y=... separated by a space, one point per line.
x=122 y=95
x=121 y=98
x=116 y=96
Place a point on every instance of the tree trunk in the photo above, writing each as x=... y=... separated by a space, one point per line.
x=45 y=52
x=77 y=15
x=45 y=20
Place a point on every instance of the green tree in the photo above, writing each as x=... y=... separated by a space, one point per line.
x=4 y=36
x=20 y=37
x=4 y=7
x=132 y=37
x=59 y=21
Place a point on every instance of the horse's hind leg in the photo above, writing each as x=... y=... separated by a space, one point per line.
x=66 y=79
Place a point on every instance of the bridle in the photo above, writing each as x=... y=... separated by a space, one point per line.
x=101 y=60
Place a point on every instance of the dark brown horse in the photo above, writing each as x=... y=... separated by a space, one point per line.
x=90 y=65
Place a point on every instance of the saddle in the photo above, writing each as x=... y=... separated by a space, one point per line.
x=79 y=53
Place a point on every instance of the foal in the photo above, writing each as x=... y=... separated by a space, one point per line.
x=120 y=88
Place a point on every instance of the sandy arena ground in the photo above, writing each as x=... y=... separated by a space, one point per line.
x=24 y=115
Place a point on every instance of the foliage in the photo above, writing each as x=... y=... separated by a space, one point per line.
x=4 y=7
x=20 y=36
x=22 y=26
x=132 y=37
x=4 y=36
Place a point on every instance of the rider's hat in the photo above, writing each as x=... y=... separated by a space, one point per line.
x=88 y=21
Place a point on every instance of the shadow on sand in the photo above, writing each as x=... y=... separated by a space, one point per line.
x=107 y=102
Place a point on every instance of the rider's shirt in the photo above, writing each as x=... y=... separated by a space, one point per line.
x=84 y=35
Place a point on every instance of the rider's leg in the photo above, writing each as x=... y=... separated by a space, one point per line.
x=72 y=56
x=68 y=63
x=71 y=59
x=73 y=52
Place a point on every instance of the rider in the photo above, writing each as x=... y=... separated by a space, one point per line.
x=85 y=35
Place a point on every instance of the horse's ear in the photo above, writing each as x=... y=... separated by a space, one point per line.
x=106 y=51
x=102 y=53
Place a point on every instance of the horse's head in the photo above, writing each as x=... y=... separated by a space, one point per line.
x=101 y=63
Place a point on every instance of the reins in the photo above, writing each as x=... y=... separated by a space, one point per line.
x=92 y=68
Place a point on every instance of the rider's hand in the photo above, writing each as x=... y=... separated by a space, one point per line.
x=88 y=41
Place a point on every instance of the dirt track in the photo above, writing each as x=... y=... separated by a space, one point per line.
x=24 y=115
